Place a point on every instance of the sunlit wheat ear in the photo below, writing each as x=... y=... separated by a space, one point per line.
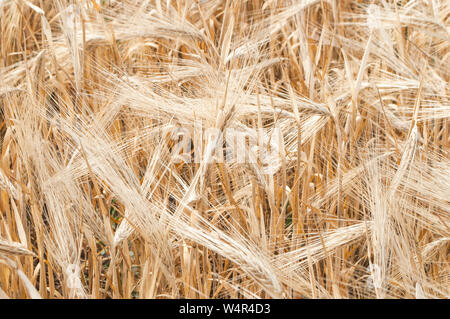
x=123 y=232
x=12 y=248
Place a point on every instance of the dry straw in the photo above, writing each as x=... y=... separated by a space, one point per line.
x=343 y=107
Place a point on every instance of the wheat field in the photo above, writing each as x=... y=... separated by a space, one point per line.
x=113 y=186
